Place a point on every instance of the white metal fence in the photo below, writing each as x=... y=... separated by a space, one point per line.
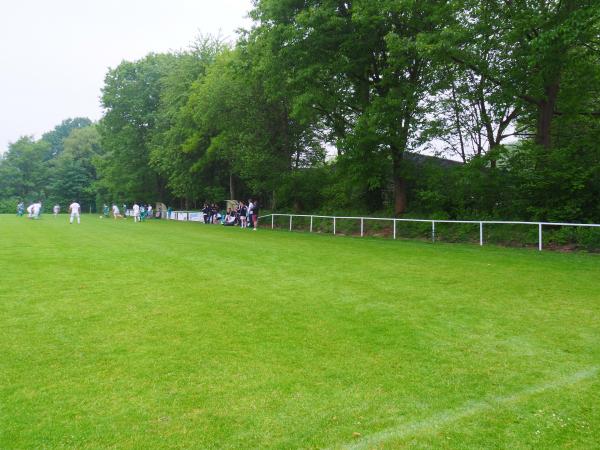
x=481 y=223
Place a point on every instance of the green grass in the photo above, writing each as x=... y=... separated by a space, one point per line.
x=181 y=335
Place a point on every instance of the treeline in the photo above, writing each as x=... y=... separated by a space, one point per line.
x=58 y=168
x=325 y=105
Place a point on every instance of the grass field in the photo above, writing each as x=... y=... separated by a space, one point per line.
x=181 y=335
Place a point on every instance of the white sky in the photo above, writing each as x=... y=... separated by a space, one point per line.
x=54 y=54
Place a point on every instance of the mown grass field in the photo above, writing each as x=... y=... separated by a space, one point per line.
x=181 y=335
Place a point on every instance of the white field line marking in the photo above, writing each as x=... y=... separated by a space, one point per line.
x=467 y=410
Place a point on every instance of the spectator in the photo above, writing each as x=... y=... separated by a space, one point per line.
x=206 y=212
x=243 y=212
x=255 y=211
x=230 y=218
x=249 y=213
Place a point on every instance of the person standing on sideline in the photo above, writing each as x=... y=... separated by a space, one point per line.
x=243 y=212
x=136 y=212
x=255 y=210
x=150 y=212
x=249 y=213
x=74 y=209
x=56 y=210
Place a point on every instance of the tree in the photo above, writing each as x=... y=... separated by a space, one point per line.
x=362 y=66
x=131 y=97
x=23 y=169
x=169 y=154
x=535 y=45
x=73 y=173
x=56 y=137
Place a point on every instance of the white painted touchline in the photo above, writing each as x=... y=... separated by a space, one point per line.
x=469 y=409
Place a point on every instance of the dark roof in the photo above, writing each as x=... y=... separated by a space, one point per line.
x=419 y=158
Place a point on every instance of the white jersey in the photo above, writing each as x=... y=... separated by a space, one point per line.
x=136 y=210
x=116 y=209
x=36 y=208
x=75 y=207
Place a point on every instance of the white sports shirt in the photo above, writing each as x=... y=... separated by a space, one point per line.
x=75 y=207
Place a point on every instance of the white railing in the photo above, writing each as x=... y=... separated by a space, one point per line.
x=481 y=223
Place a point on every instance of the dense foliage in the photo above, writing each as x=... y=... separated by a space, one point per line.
x=324 y=105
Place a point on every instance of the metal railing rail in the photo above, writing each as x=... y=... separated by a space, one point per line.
x=481 y=223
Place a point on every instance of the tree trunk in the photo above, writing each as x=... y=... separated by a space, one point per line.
x=545 y=115
x=400 y=198
x=232 y=192
x=400 y=202
x=457 y=123
x=492 y=154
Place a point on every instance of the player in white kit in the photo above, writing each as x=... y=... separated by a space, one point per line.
x=116 y=212
x=74 y=209
x=136 y=212
x=36 y=209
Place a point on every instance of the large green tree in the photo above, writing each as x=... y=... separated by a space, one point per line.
x=131 y=98
x=60 y=132
x=171 y=154
x=364 y=67
x=23 y=170
x=534 y=49
x=73 y=172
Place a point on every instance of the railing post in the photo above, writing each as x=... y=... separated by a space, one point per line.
x=291 y=222
x=395 y=228
x=480 y=233
x=433 y=231
x=362 y=227
x=334 y=226
x=311 y=223
x=540 y=237
x=272 y=221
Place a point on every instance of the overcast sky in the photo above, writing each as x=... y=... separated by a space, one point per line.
x=54 y=54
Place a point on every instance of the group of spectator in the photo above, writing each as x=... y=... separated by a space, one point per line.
x=243 y=215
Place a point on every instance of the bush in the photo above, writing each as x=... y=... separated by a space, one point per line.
x=8 y=206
